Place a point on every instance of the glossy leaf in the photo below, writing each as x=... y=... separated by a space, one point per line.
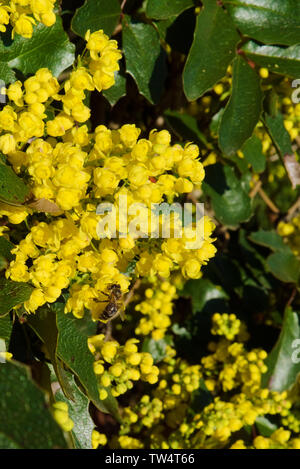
x=5 y=248
x=73 y=350
x=269 y=239
x=79 y=414
x=7 y=75
x=6 y=325
x=267 y=21
x=230 y=201
x=25 y=419
x=243 y=108
x=164 y=9
x=13 y=294
x=49 y=47
x=95 y=15
x=148 y=69
x=117 y=91
x=283 y=362
x=279 y=134
x=204 y=295
x=282 y=60
x=213 y=49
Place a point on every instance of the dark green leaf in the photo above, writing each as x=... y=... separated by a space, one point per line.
x=5 y=248
x=204 y=294
x=252 y=150
x=279 y=134
x=175 y=28
x=283 y=362
x=95 y=15
x=283 y=60
x=212 y=51
x=5 y=329
x=79 y=413
x=285 y=266
x=163 y=9
x=270 y=239
x=117 y=91
x=231 y=203
x=43 y=322
x=186 y=127
x=12 y=188
x=25 y=421
x=148 y=69
x=49 y=47
x=243 y=109
x=264 y=426
x=268 y=21
x=156 y=348
x=13 y=294
x=73 y=349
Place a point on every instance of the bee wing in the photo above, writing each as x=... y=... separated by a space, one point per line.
x=122 y=313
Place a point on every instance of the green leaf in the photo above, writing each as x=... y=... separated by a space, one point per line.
x=73 y=349
x=267 y=21
x=185 y=126
x=12 y=188
x=157 y=348
x=175 y=28
x=25 y=420
x=204 y=294
x=163 y=9
x=5 y=248
x=117 y=91
x=213 y=49
x=230 y=201
x=279 y=134
x=264 y=426
x=269 y=239
x=43 y=322
x=95 y=15
x=243 y=108
x=13 y=294
x=285 y=266
x=253 y=153
x=79 y=413
x=48 y=47
x=283 y=364
x=148 y=69
x=5 y=329
x=6 y=73
x=282 y=60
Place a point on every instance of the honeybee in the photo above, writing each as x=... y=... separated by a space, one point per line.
x=114 y=305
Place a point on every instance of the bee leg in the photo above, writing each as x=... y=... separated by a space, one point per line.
x=104 y=293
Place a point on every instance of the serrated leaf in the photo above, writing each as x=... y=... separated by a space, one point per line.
x=148 y=70
x=25 y=420
x=213 y=49
x=49 y=47
x=79 y=414
x=284 y=266
x=282 y=60
x=205 y=296
x=117 y=91
x=12 y=188
x=282 y=367
x=13 y=294
x=267 y=21
x=95 y=15
x=253 y=153
x=230 y=201
x=163 y=9
x=73 y=350
x=243 y=108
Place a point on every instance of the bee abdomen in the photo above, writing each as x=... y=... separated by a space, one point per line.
x=110 y=310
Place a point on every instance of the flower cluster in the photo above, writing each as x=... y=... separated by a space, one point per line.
x=23 y=15
x=118 y=366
